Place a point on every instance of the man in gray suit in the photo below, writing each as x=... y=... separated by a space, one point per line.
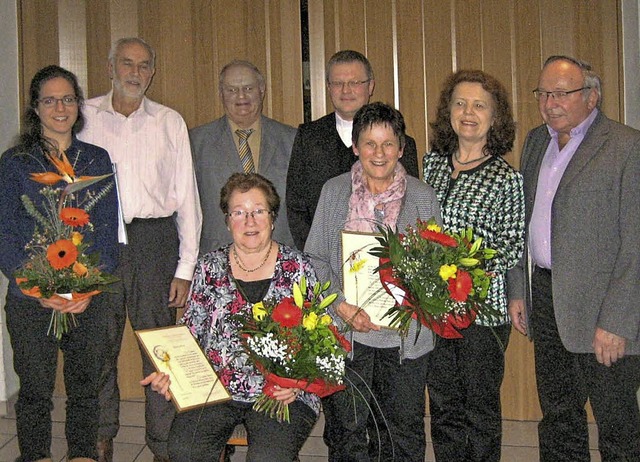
x=242 y=139
x=580 y=276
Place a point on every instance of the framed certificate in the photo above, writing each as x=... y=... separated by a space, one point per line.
x=174 y=351
x=361 y=283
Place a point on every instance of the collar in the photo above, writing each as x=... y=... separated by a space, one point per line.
x=107 y=105
x=234 y=126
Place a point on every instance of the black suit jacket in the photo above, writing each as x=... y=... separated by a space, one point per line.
x=318 y=155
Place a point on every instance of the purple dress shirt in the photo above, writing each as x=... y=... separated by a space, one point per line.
x=553 y=165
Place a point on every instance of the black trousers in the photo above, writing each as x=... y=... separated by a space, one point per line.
x=463 y=380
x=200 y=435
x=566 y=380
x=380 y=416
x=146 y=268
x=35 y=357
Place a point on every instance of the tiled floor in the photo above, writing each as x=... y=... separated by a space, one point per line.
x=519 y=439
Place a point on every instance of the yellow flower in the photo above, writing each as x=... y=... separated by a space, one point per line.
x=434 y=227
x=357 y=265
x=448 y=271
x=76 y=238
x=325 y=320
x=80 y=269
x=310 y=321
x=258 y=311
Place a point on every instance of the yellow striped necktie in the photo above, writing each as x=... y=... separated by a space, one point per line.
x=245 y=151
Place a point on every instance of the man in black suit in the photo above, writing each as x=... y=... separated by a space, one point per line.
x=322 y=148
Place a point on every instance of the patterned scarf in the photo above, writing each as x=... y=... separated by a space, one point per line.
x=362 y=204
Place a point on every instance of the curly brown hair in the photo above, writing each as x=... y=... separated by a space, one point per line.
x=503 y=131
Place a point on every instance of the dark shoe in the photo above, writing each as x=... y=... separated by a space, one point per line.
x=105 y=450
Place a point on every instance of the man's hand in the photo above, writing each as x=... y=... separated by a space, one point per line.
x=178 y=292
x=608 y=347
x=518 y=315
x=356 y=317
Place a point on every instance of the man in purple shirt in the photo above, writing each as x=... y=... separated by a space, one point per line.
x=576 y=291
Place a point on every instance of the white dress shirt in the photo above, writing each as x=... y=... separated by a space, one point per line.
x=152 y=154
x=345 y=130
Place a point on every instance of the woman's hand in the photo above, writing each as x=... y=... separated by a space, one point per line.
x=65 y=306
x=356 y=317
x=159 y=383
x=286 y=395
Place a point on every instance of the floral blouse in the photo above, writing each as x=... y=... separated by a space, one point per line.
x=215 y=298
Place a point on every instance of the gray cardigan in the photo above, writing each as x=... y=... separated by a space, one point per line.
x=325 y=248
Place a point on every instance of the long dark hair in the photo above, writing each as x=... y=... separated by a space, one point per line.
x=501 y=135
x=31 y=134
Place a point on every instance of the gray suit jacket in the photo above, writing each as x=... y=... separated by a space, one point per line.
x=595 y=235
x=215 y=159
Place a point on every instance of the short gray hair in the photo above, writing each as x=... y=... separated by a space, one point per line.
x=240 y=63
x=349 y=56
x=591 y=79
x=128 y=41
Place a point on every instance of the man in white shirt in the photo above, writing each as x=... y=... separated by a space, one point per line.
x=162 y=219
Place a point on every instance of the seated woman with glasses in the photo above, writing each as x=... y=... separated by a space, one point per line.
x=229 y=281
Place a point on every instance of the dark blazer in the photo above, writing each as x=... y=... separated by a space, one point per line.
x=319 y=155
x=215 y=158
x=595 y=235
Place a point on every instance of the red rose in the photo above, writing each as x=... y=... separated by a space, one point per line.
x=460 y=286
x=287 y=313
x=440 y=238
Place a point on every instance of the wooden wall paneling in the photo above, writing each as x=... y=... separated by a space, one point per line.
x=379 y=39
x=412 y=70
x=557 y=27
x=527 y=64
x=167 y=26
x=440 y=54
x=98 y=33
x=73 y=38
x=39 y=44
x=498 y=47
x=468 y=34
x=317 y=44
x=285 y=61
x=597 y=42
x=204 y=61
x=123 y=19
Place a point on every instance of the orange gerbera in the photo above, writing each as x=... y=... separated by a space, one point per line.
x=73 y=216
x=61 y=254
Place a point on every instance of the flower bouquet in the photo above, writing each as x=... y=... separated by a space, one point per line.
x=442 y=275
x=58 y=263
x=294 y=344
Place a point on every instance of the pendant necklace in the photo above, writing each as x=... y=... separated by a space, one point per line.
x=455 y=155
x=236 y=257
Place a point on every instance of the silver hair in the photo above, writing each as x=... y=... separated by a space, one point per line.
x=128 y=41
x=591 y=79
x=241 y=63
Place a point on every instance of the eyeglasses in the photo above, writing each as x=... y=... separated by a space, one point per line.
x=50 y=101
x=336 y=85
x=258 y=214
x=556 y=95
x=235 y=91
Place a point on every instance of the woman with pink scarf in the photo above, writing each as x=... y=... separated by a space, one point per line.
x=381 y=414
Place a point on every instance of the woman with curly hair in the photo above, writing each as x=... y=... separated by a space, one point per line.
x=476 y=188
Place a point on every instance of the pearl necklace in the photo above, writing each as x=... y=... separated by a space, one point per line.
x=236 y=257
x=455 y=156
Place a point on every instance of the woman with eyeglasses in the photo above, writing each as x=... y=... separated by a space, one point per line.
x=229 y=281
x=381 y=414
x=51 y=122
x=476 y=188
